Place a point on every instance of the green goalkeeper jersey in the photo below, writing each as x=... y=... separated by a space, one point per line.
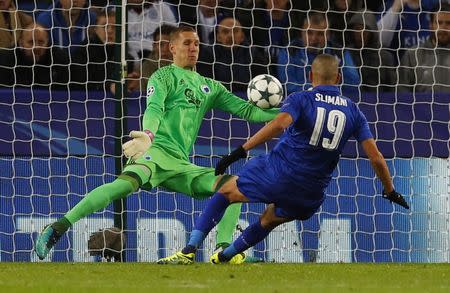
x=177 y=101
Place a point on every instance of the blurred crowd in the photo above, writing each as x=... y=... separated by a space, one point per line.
x=383 y=46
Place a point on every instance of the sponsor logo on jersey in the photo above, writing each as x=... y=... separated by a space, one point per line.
x=191 y=98
x=205 y=88
x=150 y=90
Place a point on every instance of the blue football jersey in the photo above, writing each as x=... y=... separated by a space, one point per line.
x=323 y=121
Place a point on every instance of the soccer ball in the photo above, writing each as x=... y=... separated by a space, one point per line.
x=265 y=91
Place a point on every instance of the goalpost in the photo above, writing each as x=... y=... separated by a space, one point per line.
x=55 y=146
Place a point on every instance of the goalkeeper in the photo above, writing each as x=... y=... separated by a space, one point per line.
x=177 y=100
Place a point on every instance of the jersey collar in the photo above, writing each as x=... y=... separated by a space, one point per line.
x=332 y=89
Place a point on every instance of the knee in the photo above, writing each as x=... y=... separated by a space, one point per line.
x=226 y=186
x=132 y=178
x=269 y=220
x=231 y=192
x=222 y=183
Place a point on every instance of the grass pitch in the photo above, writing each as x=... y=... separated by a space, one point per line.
x=249 y=278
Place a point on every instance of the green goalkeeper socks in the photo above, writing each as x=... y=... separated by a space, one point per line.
x=100 y=198
x=227 y=226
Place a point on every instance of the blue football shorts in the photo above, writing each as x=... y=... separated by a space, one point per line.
x=260 y=182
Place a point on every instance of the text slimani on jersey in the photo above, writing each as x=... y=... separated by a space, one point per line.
x=335 y=100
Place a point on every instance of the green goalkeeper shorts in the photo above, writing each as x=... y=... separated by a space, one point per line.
x=160 y=169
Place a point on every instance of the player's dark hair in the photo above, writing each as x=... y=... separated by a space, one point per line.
x=165 y=29
x=181 y=29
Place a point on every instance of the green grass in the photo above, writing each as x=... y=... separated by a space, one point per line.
x=270 y=277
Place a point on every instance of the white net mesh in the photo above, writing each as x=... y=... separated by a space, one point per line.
x=61 y=123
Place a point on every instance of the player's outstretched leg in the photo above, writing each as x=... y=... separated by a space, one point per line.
x=226 y=229
x=95 y=200
x=254 y=233
x=210 y=216
x=233 y=253
x=227 y=225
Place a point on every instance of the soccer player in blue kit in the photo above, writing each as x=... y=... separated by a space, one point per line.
x=292 y=177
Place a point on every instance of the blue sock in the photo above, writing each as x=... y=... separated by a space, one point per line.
x=196 y=239
x=252 y=235
x=211 y=215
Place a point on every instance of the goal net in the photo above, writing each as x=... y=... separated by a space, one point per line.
x=61 y=139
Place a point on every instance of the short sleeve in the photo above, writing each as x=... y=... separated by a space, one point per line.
x=293 y=105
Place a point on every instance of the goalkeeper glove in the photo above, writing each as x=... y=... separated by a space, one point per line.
x=396 y=197
x=229 y=159
x=140 y=143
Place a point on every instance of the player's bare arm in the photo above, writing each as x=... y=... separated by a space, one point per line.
x=273 y=129
x=380 y=167
x=378 y=163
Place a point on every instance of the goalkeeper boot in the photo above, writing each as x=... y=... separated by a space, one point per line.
x=248 y=259
x=253 y=259
x=217 y=258
x=178 y=258
x=46 y=240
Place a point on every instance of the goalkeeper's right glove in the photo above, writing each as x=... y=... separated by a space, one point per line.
x=141 y=142
x=396 y=197
x=229 y=159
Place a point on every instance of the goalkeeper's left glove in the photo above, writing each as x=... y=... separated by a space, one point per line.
x=141 y=142
x=229 y=159
x=396 y=197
